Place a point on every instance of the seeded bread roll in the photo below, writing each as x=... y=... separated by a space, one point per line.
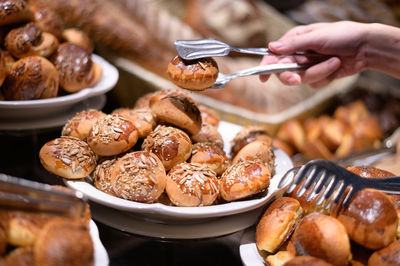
x=171 y=145
x=81 y=123
x=277 y=223
x=142 y=119
x=47 y=20
x=246 y=135
x=386 y=256
x=324 y=237
x=258 y=150
x=19 y=84
x=138 y=176
x=102 y=175
x=68 y=157
x=112 y=135
x=64 y=242
x=192 y=184
x=211 y=155
x=244 y=179
x=208 y=133
x=14 y=11
x=177 y=110
x=196 y=75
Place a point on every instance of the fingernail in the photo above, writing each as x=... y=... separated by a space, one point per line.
x=333 y=63
x=276 y=45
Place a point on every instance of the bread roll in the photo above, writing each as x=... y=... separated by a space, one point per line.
x=64 y=242
x=292 y=132
x=112 y=135
x=279 y=259
x=171 y=145
x=192 y=184
x=259 y=151
x=78 y=37
x=81 y=123
x=3 y=67
x=323 y=237
x=29 y=40
x=211 y=155
x=138 y=176
x=387 y=256
x=19 y=84
x=277 y=223
x=209 y=116
x=141 y=118
x=306 y=260
x=14 y=11
x=370 y=219
x=76 y=69
x=144 y=101
x=208 y=133
x=47 y=20
x=246 y=135
x=177 y=110
x=20 y=256
x=4 y=228
x=244 y=179
x=102 y=175
x=68 y=157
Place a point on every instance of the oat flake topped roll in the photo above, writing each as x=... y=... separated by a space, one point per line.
x=192 y=184
x=81 y=123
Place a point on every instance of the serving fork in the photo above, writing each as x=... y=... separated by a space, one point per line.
x=332 y=185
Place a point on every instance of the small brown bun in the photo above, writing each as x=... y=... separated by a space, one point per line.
x=138 y=176
x=209 y=116
x=102 y=175
x=78 y=37
x=192 y=184
x=306 y=260
x=208 y=133
x=112 y=135
x=179 y=111
x=370 y=219
x=158 y=95
x=292 y=132
x=257 y=151
x=280 y=258
x=29 y=40
x=81 y=123
x=171 y=145
x=14 y=11
x=141 y=118
x=323 y=237
x=196 y=75
x=246 y=135
x=143 y=101
x=211 y=155
x=3 y=66
x=244 y=179
x=20 y=256
x=68 y=157
x=48 y=20
x=19 y=84
x=76 y=68
x=64 y=242
x=387 y=256
x=277 y=224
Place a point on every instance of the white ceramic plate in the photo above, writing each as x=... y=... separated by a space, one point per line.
x=248 y=249
x=100 y=253
x=25 y=110
x=161 y=211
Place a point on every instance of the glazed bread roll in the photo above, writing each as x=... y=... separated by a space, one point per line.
x=102 y=175
x=370 y=219
x=19 y=256
x=246 y=135
x=260 y=151
x=277 y=224
x=68 y=157
x=141 y=118
x=171 y=145
x=64 y=242
x=14 y=11
x=306 y=260
x=177 y=110
x=279 y=259
x=29 y=40
x=323 y=237
x=112 y=135
x=19 y=84
x=386 y=256
x=78 y=37
x=138 y=176
x=244 y=179
x=208 y=133
x=47 y=20
x=76 y=69
x=211 y=155
x=209 y=116
x=3 y=67
x=81 y=123
x=192 y=184
x=197 y=75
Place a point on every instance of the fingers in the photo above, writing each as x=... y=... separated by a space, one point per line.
x=316 y=74
x=266 y=61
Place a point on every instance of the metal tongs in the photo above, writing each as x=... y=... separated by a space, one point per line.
x=21 y=194
x=195 y=49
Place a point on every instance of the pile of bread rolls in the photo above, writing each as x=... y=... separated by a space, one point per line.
x=38 y=238
x=293 y=231
x=166 y=146
x=40 y=55
x=350 y=128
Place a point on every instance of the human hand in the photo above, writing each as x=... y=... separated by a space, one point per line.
x=341 y=42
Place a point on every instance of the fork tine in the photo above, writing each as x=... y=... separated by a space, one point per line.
x=328 y=190
x=336 y=191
